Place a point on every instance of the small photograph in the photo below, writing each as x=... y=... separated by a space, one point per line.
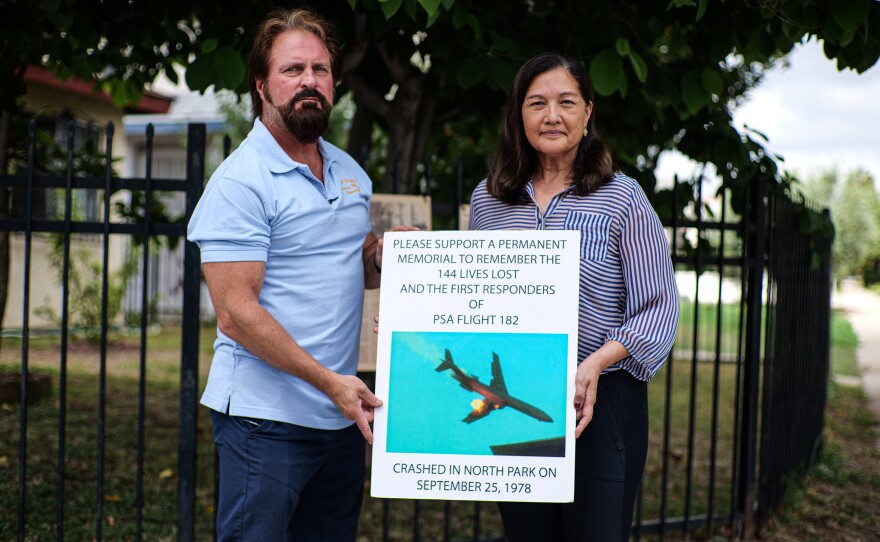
x=477 y=393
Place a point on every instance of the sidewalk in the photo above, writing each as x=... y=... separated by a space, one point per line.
x=862 y=308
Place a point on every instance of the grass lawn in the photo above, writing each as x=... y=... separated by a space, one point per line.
x=687 y=460
x=840 y=498
x=81 y=442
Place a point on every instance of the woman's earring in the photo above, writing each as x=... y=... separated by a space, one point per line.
x=586 y=132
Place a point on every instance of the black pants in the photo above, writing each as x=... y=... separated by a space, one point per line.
x=609 y=463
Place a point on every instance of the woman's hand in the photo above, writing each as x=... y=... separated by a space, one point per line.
x=586 y=381
x=586 y=388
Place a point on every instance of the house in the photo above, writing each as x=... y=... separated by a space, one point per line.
x=54 y=103
x=169 y=162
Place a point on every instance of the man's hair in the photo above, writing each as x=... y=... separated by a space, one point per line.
x=281 y=20
x=515 y=159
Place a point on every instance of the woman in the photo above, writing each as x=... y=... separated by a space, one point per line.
x=551 y=171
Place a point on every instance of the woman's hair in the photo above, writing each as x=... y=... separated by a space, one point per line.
x=514 y=159
x=281 y=20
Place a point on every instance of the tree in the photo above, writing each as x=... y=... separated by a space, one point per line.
x=855 y=212
x=434 y=73
x=667 y=74
x=856 y=215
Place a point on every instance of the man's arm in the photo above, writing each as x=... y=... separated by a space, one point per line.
x=372 y=255
x=235 y=290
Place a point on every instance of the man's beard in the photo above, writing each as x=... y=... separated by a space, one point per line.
x=309 y=121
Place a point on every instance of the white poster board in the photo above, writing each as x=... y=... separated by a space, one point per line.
x=477 y=350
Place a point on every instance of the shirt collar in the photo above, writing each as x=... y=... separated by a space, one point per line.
x=530 y=189
x=276 y=159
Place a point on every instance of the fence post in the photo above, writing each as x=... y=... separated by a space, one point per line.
x=755 y=247
x=189 y=341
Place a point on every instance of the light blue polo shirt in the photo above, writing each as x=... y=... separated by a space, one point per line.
x=260 y=205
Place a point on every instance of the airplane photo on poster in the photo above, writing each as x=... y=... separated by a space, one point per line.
x=495 y=395
x=523 y=387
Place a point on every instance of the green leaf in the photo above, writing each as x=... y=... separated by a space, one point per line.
x=679 y=4
x=461 y=17
x=758 y=133
x=471 y=72
x=622 y=45
x=59 y=15
x=448 y=4
x=810 y=221
x=701 y=9
x=171 y=74
x=793 y=32
x=692 y=93
x=125 y=92
x=390 y=7
x=200 y=71
x=712 y=81
x=606 y=71
x=410 y=7
x=352 y=3
x=229 y=67
x=847 y=38
x=433 y=19
x=118 y=93
x=505 y=45
x=209 y=45
x=430 y=6
x=501 y=73
x=850 y=14
x=135 y=90
x=639 y=66
x=833 y=33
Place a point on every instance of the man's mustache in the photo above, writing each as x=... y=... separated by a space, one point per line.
x=310 y=93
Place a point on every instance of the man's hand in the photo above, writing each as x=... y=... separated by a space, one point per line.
x=382 y=241
x=356 y=402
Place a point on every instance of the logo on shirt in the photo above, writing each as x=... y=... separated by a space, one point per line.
x=350 y=186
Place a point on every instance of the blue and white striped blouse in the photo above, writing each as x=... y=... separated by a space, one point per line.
x=627 y=286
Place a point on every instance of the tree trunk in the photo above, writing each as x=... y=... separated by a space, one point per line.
x=407 y=117
x=360 y=135
x=407 y=133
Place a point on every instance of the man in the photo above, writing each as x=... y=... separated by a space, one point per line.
x=284 y=232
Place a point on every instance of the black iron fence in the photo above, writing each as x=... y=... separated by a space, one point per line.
x=796 y=356
x=736 y=411
x=108 y=186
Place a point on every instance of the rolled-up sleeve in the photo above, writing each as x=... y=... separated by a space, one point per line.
x=652 y=304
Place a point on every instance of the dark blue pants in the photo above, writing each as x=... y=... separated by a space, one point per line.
x=609 y=463
x=283 y=482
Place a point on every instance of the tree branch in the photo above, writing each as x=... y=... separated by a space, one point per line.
x=355 y=50
x=367 y=95
x=397 y=70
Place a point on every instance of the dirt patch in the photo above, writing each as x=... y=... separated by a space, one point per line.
x=840 y=498
x=39 y=386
